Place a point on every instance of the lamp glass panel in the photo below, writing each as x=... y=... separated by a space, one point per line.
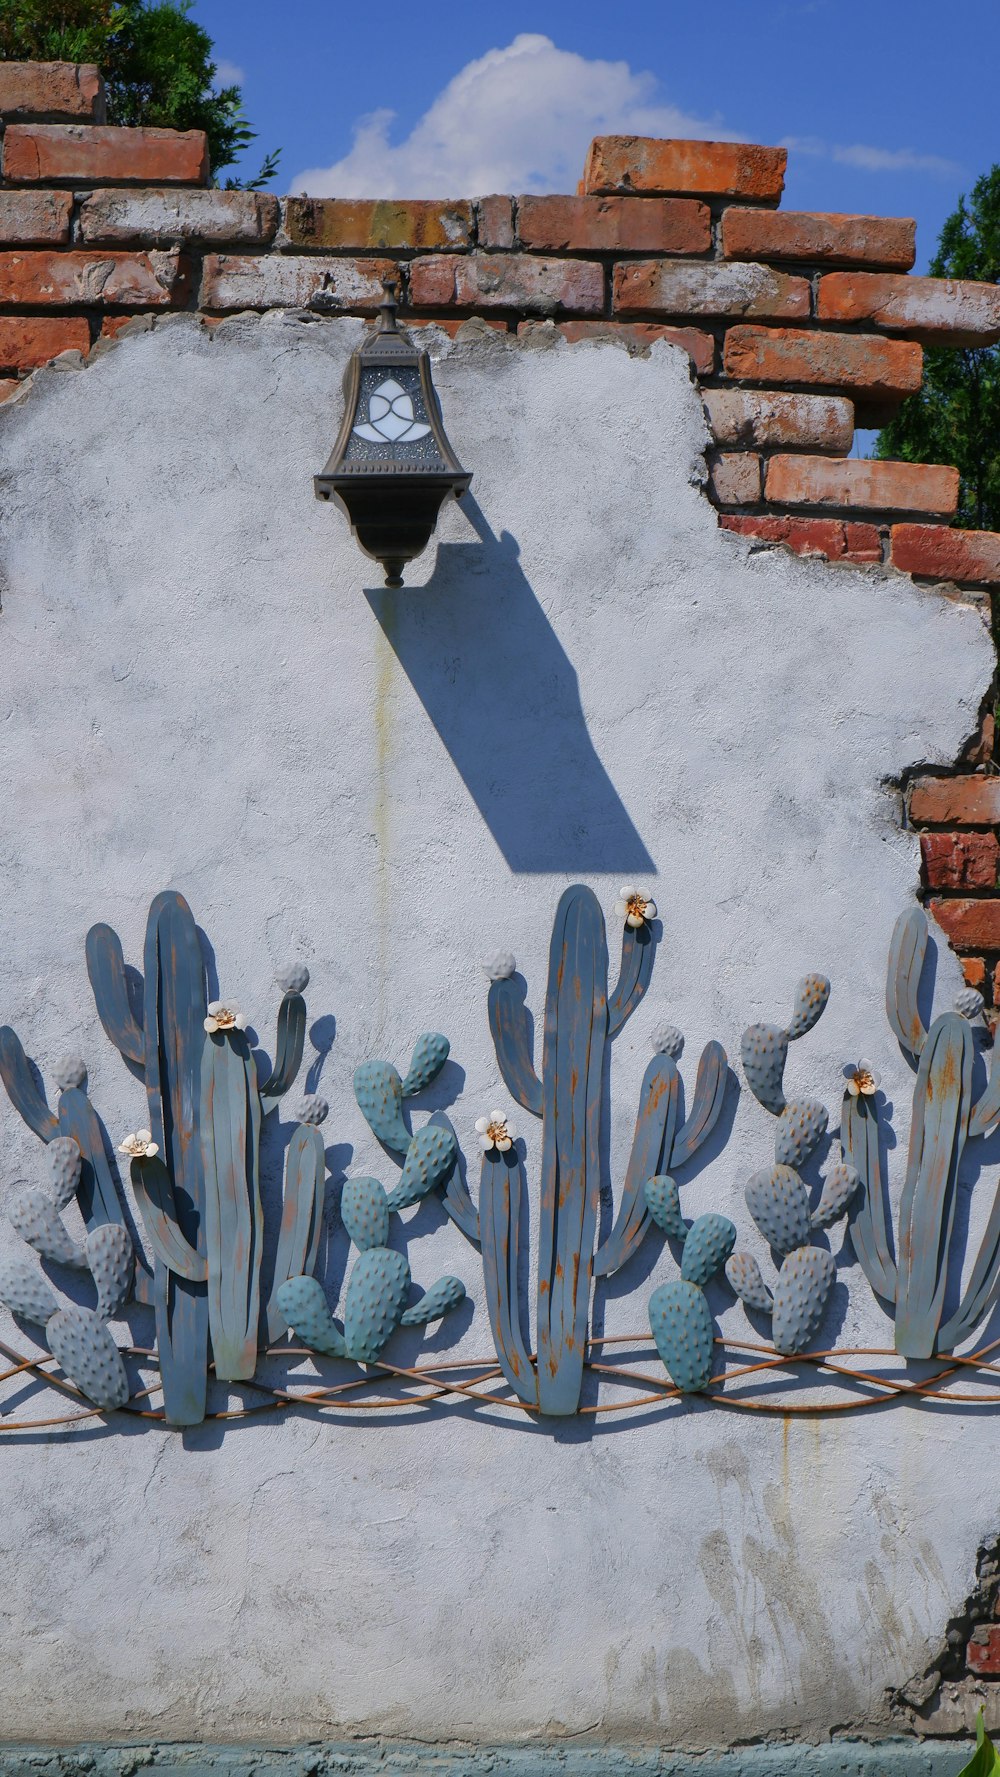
x=391 y=424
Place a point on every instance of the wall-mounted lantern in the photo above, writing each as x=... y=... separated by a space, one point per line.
x=392 y=467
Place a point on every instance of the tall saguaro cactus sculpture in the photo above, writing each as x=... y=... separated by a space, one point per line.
x=946 y=1115
x=581 y=1017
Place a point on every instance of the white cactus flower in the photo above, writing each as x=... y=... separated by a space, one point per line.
x=633 y=906
x=495 y=1131
x=862 y=1080
x=139 y=1146
x=223 y=1017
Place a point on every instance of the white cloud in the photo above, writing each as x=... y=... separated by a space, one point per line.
x=518 y=119
x=228 y=74
x=876 y=160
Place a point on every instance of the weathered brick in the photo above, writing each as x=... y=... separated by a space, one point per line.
x=939 y=311
x=614 y=224
x=507 y=281
x=969 y=925
x=54 y=90
x=159 y=217
x=856 y=481
x=970 y=557
x=36 y=279
x=453 y=324
x=28 y=340
x=374 y=225
x=837 y=540
x=734 y=477
x=756 y=416
x=982 y=747
x=30 y=218
x=708 y=169
x=676 y=287
x=972 y=801
x=495 y=221
x=883 y=369
x=637 y=335
x=243 y=281
x=960 y=860
x=983 y=1650
x=829 y=240
x=42 y=154
x=974 y=971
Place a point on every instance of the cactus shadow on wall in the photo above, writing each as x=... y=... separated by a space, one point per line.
x=504 y=697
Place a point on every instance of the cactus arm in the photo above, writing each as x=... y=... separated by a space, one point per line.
x=501 y=1187
x=988 y=1109
x=97 y=1192
x=288 y=1046
x=455 y=1197
x=106 y=968
x=859 y=1138
x=301 y=1217
x=174 y=1027
x=907 y=951
x=28 y=1101
x=706 y=1107
x=430 y=1159
x=155 y=1196
x=633 y=976
x=576 y=1022
x=982 y=1290
x=654 y=1130
x=509 y=1030
x=430 y=1052
x=942 y=1102
x=234 y=1220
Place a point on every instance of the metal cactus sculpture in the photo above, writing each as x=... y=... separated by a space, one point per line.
x=679 y=1316
x=778 y=1197
x=946 y=1114
x=195 y=1171
x=581 y=1017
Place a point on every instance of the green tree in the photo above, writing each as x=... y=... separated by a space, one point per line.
x=955 y=417
x=156 y=61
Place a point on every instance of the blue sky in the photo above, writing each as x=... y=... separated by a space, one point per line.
x=889 y=107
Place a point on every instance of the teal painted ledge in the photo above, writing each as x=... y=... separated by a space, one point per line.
x=372 y=1758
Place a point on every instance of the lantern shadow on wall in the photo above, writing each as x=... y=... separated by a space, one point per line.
x=525 y=755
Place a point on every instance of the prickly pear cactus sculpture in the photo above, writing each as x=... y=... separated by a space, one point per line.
x=582 y=1015
x=778 y=1197
x=912 y=1277
x=379 y=1282
x=679 y=1316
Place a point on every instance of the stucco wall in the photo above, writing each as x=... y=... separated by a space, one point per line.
x=585 y=678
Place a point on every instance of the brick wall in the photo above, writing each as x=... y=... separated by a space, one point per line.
x=797 y=326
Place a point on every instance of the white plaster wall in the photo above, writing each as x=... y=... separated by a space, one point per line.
x=199 y=687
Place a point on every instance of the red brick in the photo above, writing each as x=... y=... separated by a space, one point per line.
x=734 y=477
x=638 y=336
x=755 y=416
x=41 y=154
x=28 y=340
x=960 y=860
x=981 y=748
x=614 y=224
x=939 y=553
x=34 y=217
x=676 y=287
x=969 y=925
x=974 y=971
x=829 y=240
x=972 y=801
x=160 y=217
x=377 y=225
x=831 y=537
x=939 y=311
x=134 y=280
x=55 y=90
x=495 y=221
x=286 y=280
x=983 y=1651
x=507 y=281
x=856 y=481
x=882 y=369
x=708 y=169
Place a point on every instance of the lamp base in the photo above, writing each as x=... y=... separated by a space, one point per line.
x=393 y=518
